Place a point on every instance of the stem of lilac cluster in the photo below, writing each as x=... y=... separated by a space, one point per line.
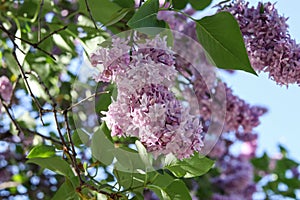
x=179 y=11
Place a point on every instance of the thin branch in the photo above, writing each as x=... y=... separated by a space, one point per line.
x=49 y=35
x=19 y=128
x=14 y=89
x=23 y=75
x=85 y=99
x=6 y=108
x=5 y=135
x=43 y=136
x=12 y=38
x=38 y=78
x=90 y=13
x=141 y=3
x=34 y=45
x=39 y=19
x=58 y=127
x=73 y=156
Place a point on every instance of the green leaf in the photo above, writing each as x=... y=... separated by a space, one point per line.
x=41 y=151
x=166 y=187
x=67 y=190
x=200 y=4
x=55 y=164
x=177 y=190
x=283 y=165
x=146 y=16
x=283 y=150
x=179 y=4
x=116 y=17
x=146 y=158
x=102 y=148
x=101 y=10
x=221 y=37
x=80 y=137
x=191 y=167
x=261 y=163
x=125 y=4
x=104 y=100
x=129 y=160
x=131 y=180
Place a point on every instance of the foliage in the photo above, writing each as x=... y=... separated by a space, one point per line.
x=45 y=156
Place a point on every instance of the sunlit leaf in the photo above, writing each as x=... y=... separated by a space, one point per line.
x=41 y=151
x=221 y=37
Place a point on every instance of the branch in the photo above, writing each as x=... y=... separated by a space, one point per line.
x=39 y=19
x=23 y=75
x=43 y=136
x=85 y=99
x=6 y=108
x=52 y=33
x=12 y=38
x=5 y=135
x=36 y=47
x=90 y=13
x=73 y=156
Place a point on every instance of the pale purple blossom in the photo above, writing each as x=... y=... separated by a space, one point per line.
x=239 y=114
x=236 y=179
x=5 y=89
x=145 y=107
x=158 y=119
x=268 y=41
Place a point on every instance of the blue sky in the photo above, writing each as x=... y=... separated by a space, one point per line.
x=281 y=123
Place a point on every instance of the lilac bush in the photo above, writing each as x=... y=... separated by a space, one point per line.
x=270 y=46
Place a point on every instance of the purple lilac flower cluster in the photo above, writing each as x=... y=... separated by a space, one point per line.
x=236 y=179
x=5 y=89
x=145 y=106
x=268 y=42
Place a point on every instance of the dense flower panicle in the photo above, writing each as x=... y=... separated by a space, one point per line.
x=268 y=42
x=236 y=179
x=145 y=107
x=144 y=72
x=239 y=114
x=112 y=60
x=5 y=89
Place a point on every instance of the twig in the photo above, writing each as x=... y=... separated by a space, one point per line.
x=49 y=35
x=23 y=75
x=13 y=90
x=34 y=45
x=12 y=38
x=85 y=99
x=39 y=19
x=19 y=128
x=6 y=108
x=90 y=13
x=58 y=127
x=38 y=78
x=43 y=136
x=73 y=156
x=141 y=3
x=5 y=135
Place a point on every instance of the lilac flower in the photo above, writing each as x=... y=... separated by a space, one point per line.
x=236 y=179
x=161 y=122
x=111 y=61
x=5 y=89
x=268 y=42
x=145 y=106
x=239 y=114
